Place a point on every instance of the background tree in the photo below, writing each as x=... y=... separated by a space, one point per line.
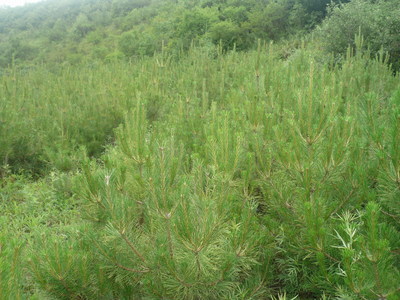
x=377 y=21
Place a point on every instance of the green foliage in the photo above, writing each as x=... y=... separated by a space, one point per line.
x=61 y=266
x=81 y=26
x=191 y=209
x=179 y=234
x=218 y=175
x=73 y=31
x=225 y=32
x=45 y=115
x=10 y=265
x=136 y=43
x=30 y=210
x=271 y=21
x=376 y=21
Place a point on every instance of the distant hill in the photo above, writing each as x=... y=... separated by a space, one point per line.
x=77 y=30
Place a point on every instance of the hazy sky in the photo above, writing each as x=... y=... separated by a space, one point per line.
x=16 y=2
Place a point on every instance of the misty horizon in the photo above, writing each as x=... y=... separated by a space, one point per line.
x=16 y=3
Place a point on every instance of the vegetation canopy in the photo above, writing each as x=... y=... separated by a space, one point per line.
x=199 y=150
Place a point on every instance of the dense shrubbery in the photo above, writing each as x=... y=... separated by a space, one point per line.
x=79 y=31
x=200 y=172
x=377 y=21
x=237 y=176
x=76 y=31
x=47 y=114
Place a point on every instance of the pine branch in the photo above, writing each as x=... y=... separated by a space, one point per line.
x=323 y=252
x=128 y=242
x=396 y=251
x=342 y=203
x=115 y=262
x=390 y=215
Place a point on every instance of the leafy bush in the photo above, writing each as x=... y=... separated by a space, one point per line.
x=377 y=21
x=137 y=44
x=225 y=32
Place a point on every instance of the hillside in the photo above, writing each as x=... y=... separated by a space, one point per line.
x=191 y=150
x=81 y=30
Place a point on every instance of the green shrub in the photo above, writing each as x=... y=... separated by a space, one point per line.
x=11 y=269
x=230 y=176
x=377 y=21
x=250 y=183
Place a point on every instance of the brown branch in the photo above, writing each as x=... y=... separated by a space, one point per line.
x=340 y=205
x=115 y=262
x=323 y=252
x=128 y=242
x=390 y=215
x=395 y=251
x=257 y=289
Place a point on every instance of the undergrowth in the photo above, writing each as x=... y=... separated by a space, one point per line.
x=218 y=176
